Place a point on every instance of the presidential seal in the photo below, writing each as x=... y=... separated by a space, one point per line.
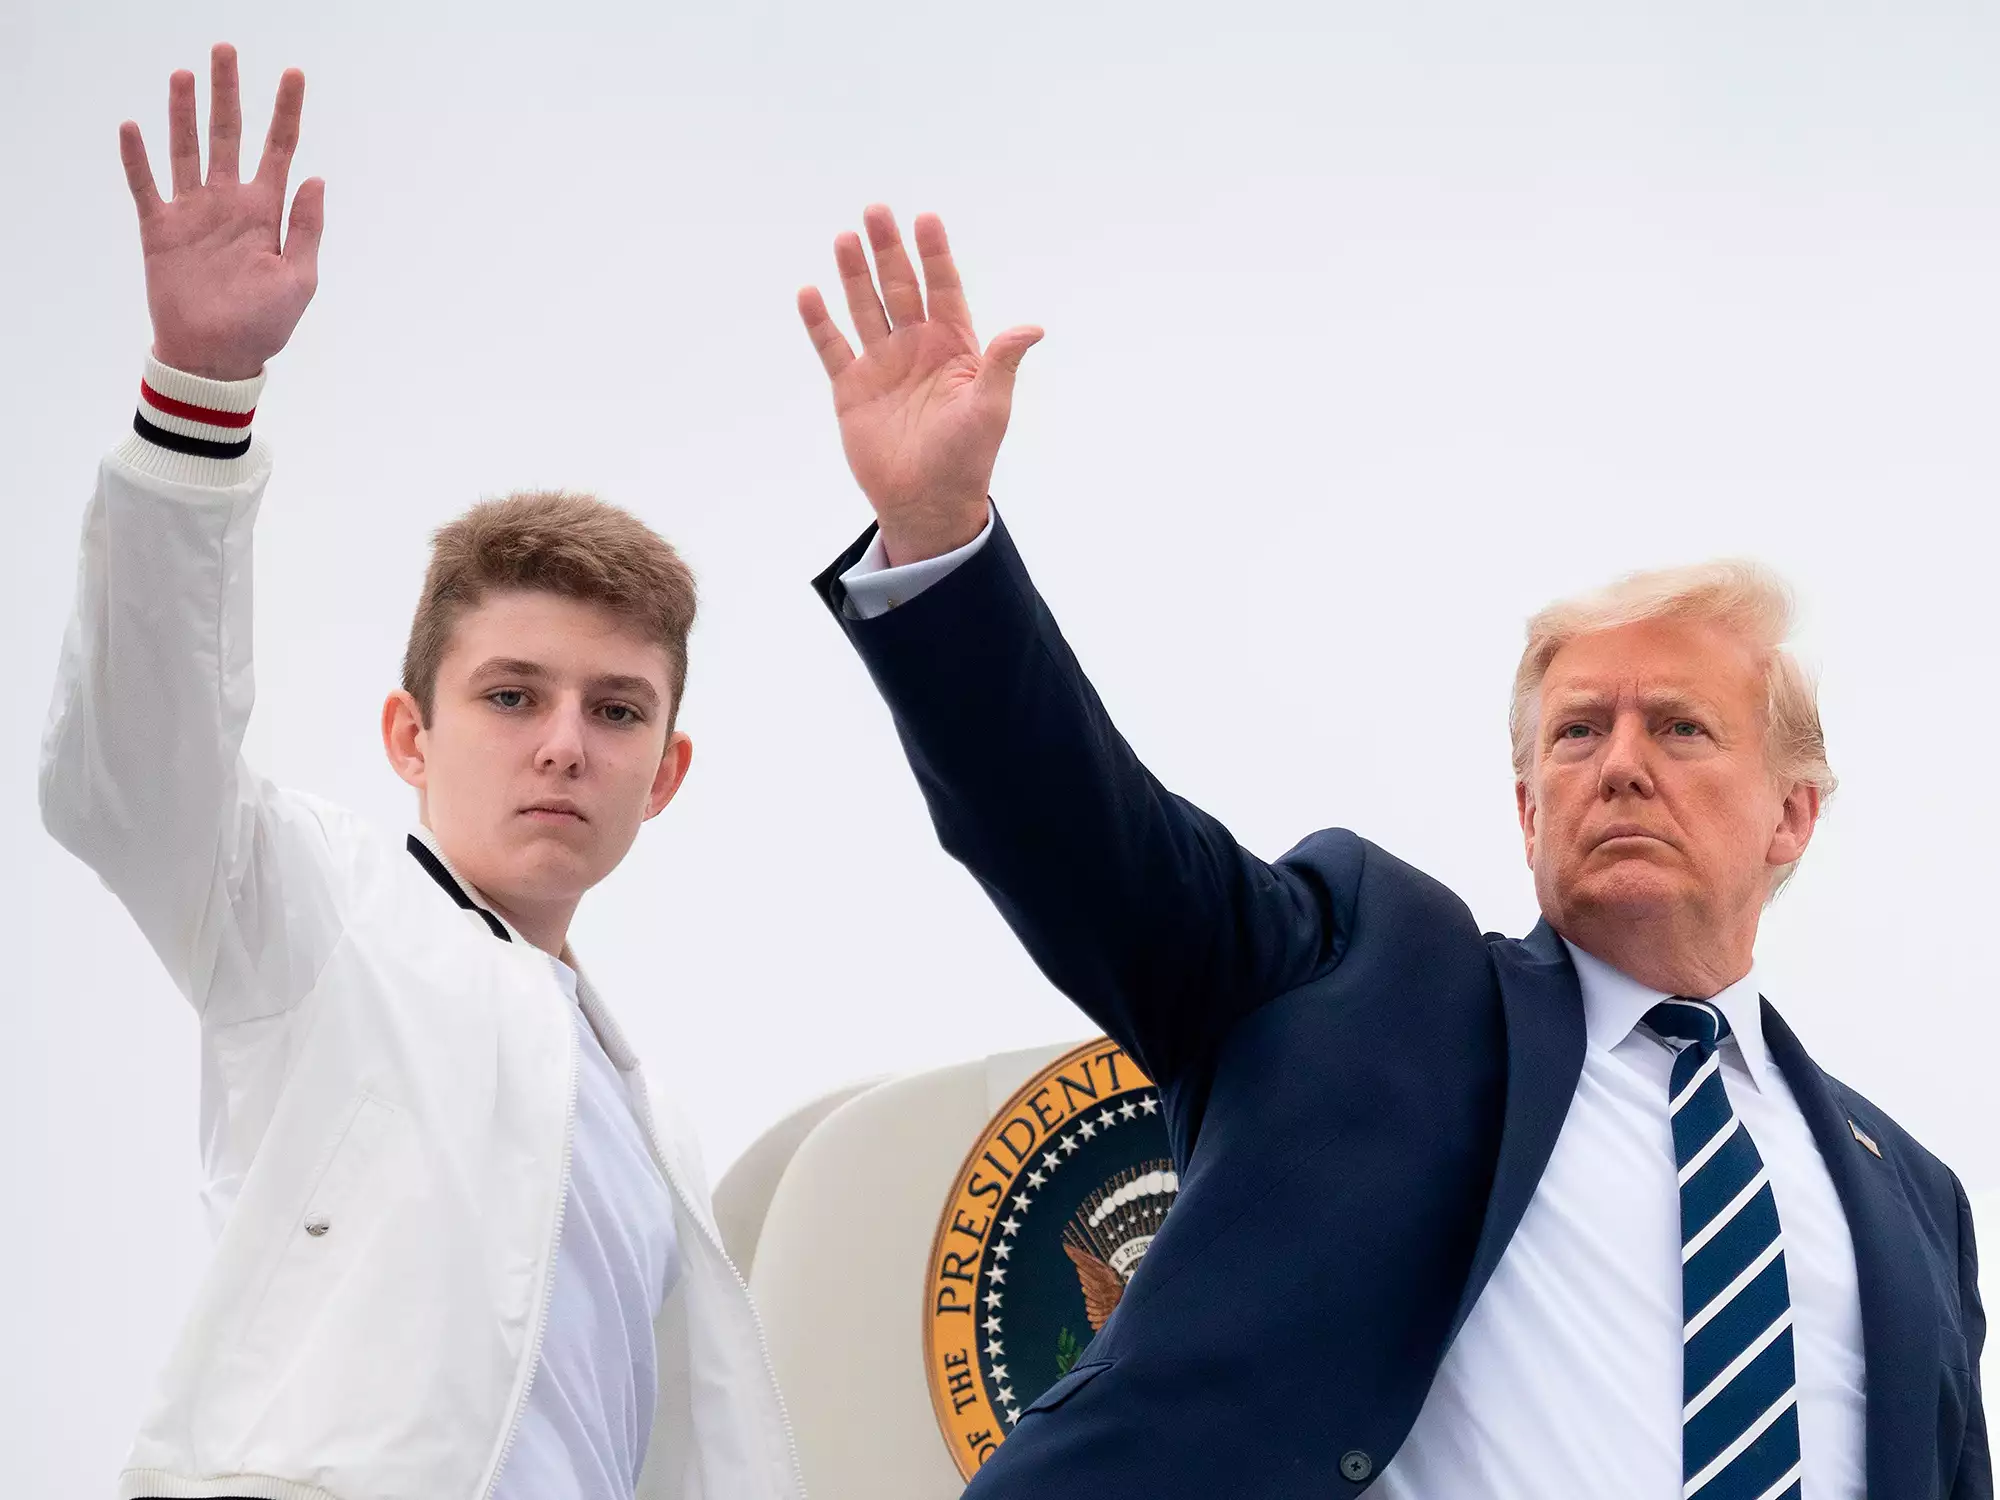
x=1048 y=1218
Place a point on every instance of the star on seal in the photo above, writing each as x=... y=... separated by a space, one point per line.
x=1057 y=1201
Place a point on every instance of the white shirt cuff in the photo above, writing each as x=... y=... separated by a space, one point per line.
x=874 y=588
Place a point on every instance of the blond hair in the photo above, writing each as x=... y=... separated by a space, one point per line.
x=1743 y=598
x=563 y=543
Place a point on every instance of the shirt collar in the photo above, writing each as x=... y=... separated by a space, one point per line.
x=565 y=976
x=1614 y=1003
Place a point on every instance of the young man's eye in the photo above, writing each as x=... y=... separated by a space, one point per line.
x=507 y=698
x=622 y=713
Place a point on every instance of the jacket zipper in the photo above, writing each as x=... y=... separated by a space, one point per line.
x=756 y=1321
x=549 y=1281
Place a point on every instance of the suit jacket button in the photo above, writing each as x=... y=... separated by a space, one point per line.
x=1356 y=1466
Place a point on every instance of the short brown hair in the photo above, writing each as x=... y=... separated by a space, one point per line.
x=563 y=543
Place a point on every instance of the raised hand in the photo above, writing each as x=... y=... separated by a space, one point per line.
x=224 y=295
x=921 y=408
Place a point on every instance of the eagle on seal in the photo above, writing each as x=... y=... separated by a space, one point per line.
x=1108 y=1236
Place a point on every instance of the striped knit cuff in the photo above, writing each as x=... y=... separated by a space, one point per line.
x=192 y=429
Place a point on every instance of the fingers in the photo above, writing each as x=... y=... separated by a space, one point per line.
x=870 y=322
x=1003 y=357
x=225 y=115
x=1007 y=349
x=183 y=145
x=941 y=285
x=302 y=233
x=283 y=138
x=904 y=295
x=138 y=171
x=835 y=354
x=900 y=291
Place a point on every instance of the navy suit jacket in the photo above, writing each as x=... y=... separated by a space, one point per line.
x=1361 y=1090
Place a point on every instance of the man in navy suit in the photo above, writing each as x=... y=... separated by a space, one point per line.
x=1568 y=1216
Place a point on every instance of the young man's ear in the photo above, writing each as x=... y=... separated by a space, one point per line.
x=403 y=737
x=674 y=762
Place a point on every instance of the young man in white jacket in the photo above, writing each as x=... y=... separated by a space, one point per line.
x=463 y=1252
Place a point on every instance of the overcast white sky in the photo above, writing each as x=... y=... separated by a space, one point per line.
x=1370 y=329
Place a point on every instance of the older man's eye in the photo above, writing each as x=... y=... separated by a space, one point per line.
x=1686 y=728
x=1573 y=732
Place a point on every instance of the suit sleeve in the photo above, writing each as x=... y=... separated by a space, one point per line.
x=141 y=773
x=1136 y=904
x=1975 y=1463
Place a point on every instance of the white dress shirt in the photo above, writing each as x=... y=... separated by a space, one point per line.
x=1566 y=1381
x=583 y=1434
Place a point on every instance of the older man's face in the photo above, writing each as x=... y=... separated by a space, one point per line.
x=1650 y=794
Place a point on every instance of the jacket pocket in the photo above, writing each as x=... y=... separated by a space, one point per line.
x=350 y=1197
x=1068 y=1386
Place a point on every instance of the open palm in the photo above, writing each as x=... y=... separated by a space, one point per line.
x=224 y=294
x=922 y=409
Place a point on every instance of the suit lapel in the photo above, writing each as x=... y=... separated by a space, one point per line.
x=1899 y=1320
x=1543 y=1008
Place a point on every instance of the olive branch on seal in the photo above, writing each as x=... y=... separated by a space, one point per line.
x=1067 y=1349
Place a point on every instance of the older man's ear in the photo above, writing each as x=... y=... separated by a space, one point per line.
x=1524 y=807
x=1798 y=819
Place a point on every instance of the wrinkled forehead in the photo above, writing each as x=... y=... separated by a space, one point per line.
x=1660 y=664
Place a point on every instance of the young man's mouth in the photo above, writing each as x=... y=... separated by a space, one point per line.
x=554 y=812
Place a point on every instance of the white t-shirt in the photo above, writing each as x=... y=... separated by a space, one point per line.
x=590 y=1409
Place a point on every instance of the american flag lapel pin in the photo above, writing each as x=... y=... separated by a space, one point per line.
x=1863 y=1137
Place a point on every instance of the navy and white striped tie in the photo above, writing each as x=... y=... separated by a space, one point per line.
x=1740 y=1421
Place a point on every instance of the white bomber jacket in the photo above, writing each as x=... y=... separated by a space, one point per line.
x=388 y=1092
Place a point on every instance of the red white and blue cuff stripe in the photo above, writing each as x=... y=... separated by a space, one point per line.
x=190 y=414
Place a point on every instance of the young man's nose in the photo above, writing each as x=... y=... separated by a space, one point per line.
x=561 y=748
